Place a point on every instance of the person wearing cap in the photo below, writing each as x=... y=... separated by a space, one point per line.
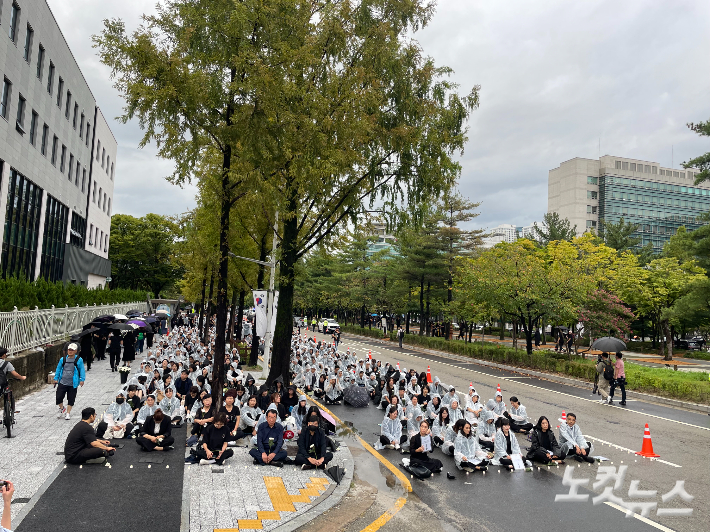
x=117 y=419
x=312 y=450
x=68 y=377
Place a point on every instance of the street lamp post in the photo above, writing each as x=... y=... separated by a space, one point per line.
x=269 y=297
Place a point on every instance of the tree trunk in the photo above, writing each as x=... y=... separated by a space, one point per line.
x=240 y=313
x=421 y=306
x=527 y=328
x=281 y=352
x=669 y=340
x=427 y=317
x=202 y=302
x=406 y=330
x=502 y=329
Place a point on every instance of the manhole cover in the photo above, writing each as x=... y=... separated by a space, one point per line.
x=20 y=500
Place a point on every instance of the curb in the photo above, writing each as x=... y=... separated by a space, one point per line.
x=552 y=377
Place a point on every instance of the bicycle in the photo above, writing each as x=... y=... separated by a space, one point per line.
x=8 y=418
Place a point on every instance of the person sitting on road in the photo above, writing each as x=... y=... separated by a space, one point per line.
x=312 y=447
x=333 y=392
x=117 y=419
x=183 y=385
x=214 y=442
x=497 y=405
x=472 y=410
x=441 y=423
x=319 y=389
x=232 y=412
x=413 y=389
x=544 y=447
x=424 y=397
x=133 y=400
x=403 y=397
x=299 y=413
x=437 y=388
x=377 y=391
x=421 y=445
x=391 y=435
x=147 y=410
x=454 y=411
x=486 y=430
x=449 y=396
x=249 y=416
x=452 y=431
x=506 y=444
x=276 y=398
x=414 y=419
x=572 y=443
x=156 y=433
x=191 y=399
x=434 y=407
x=269 y=442
x=170 y=405
x=518 y=417
x=203 y=415
x=468 y=455
x=82 y=446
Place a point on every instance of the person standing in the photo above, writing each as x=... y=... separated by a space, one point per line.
x=139 y=343
x=619 y=380
x=400 y=336
x=68 y=376
x=114 y=350
x=86 y=354
x=100 y=338
x=336 y=337
x=606 y=375
x=129 y=348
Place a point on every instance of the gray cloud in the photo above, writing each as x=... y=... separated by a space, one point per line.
x=556 y=77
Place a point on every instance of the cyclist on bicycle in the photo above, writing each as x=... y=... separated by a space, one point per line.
x=7 y=369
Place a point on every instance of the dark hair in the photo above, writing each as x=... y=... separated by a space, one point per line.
x=538 y=426
x=470 y=432
x=573 y=415
x=514 y=399
x=393 y=409
x=424 y=421
x=502 y=421
x=194 y=389
x=448 y=415
x=459 y=425
x=185 y=372
x=605 y=355
x=271 y=410
x=133 y=388
x=221 y=417
x=619 y=355
x=143 y=377
x=87 y=413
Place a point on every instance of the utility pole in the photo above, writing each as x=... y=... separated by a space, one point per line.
x=270 y=302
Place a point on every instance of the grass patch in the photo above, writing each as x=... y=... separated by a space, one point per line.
x=252 y=368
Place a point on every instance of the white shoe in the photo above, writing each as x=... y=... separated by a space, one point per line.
x=206 y=462
x=389 y=446
x=62 y=411
x=232 y=444
x=396 y=445
x=67 y=416
x=602 y=401
x=610 y=400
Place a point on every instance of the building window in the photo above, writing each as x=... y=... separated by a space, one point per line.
x=96 y=238
x=68 y=106
x=91 y=234
x=28 y=43
x=592 y=180
x=108 y=162
x=675 y=174
x=60 y=90
x=81 y=126
x=624 y=166
x=55 y=231
x=654 y=170
x=633 y=167
x=111 y=171
x=662 y=172
x=106 y=244
x=591 y=209
x=591 y=194
x=19 y=246
x=647 y=169
x=55 y=142
x=88 y=133
x=77 y=231
x=103 y=157
x=98 y=150
x=14 y=19
x=76 y=115
x=101 y=240
x=104 y=204
x=83 y=180
x=33 y=128
x=100 y=191
x=682 y=175
x=63 y=158
x=93 y=195
x=50 y=78
x=618 y=165
x=45 y=138
x=71 y=165
x=6 y=88
x=40 y=62
x=20 y=121
x=591 y=223
x=78 y=171
x=108 y=211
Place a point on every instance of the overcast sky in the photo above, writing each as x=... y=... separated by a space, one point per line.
x=556 y=78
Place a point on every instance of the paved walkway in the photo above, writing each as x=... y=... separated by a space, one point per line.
x=237 y=496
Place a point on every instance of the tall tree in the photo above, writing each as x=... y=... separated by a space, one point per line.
x=618 y=235
x=702 y=162
x=554 y=228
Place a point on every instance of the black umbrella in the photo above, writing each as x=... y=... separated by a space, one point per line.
x=84 y=333
x=134 y=311
x=104 y=318
x=563 y=328
x=150 y=319
x=336 y=473
x=609 y=344
x=121 y=327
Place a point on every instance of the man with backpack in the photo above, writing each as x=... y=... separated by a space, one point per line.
x=5 y=369
x=68 y=376
x=605 y=369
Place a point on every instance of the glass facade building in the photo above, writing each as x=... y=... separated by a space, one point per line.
x=659 y=209
x=19 y=244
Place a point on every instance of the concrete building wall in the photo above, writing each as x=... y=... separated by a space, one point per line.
x=569 y=192
x=100 y=204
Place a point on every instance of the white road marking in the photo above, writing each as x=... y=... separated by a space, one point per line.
x=554 y=391
x=620 y=448
x=641 y=518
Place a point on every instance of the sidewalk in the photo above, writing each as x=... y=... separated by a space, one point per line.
x=238 y=495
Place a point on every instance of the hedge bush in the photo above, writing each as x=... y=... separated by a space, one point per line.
x=681 y=385
x=356 y=329
x=26 y=295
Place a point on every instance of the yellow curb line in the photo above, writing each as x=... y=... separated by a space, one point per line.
x=399 y=503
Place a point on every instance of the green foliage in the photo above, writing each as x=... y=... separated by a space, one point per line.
x=142 y=252
x=362 y=331
x=701 y=162
x=618 y=236
x=43 y=294
x=554 y=228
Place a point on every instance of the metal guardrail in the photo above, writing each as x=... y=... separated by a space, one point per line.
x=24 y=329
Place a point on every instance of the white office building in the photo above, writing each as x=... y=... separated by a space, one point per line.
x=57 y=155
x=501 y=233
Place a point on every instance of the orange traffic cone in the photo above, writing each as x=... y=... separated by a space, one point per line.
x=498 y=390
x=470 y=386
x=397 y=366
x=563 y=419
x=647 y=447
x=369 y=355
x=314 y=339
x=428 y=375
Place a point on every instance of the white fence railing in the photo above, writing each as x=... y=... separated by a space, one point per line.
x=25 y=329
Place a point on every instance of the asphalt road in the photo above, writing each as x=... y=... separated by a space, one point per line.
x=502 y=501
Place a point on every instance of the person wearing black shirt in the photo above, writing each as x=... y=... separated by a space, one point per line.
x=421 y=445
x=82 y=446
x=290 y=400
x=129 y=348
x=100 y=338
x=312 y=450
x=190 y=398
x=156 y=433
x=203 y=417
x=214 y=442
x=134 y=400
x=114 y=350
x=544 y=447
x=231 y=411
x=336 y=338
